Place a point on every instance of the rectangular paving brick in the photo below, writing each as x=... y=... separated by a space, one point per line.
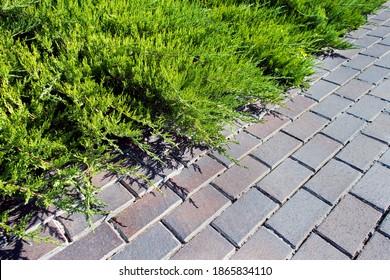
x=315 y=153
x=316 y=248
x=350 y=53
x=366 y=41
x=368 y=108
x=319 y=73
x=196 y=176
x=332 y=106
x=349 y=224
x=142 y=181
x=361 y=152
x=298 y=217
x=158 y=243
x=374 y=74
x=354 y=89
x=360 y=62
x=384 y=227
x=342 y=75
x=207 y=245
x=136 y=218
x=104 y=178
x=344 y=128
x=115 y=196
x=377 y=248
x=263 y=245
x=238 y=179
x=331 y=62
x=374 y=187
x=188 y=155
x=296 y=106
x=386 y=41
x=321 y=90
x=379 y=128
x=306 y=126
x=382 y=91
x=385 y=158
x=271 y=125
x=244 y=216
x=381 y=32
x=357 y=33
x=276 y=149
x=333 y=181
x=246 y=143
x=97 y=245
x=196 y=213
x=384 y=61
x=377 y=51
x=30 y=250
x=285 y=179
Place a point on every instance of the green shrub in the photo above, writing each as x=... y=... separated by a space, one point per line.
x=78 y=76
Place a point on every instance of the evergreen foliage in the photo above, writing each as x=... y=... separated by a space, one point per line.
x=77 y=76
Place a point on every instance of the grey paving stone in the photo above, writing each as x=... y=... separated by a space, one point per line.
x=317 y=151
x=379 y=128
x=270 y=126
x=377 y=51
x=196 y=213
x=298 y=217
x=374 y=74
x=316 y=248
x=276 y=149
x=139 y=216
x=366 y=41
x=30 y=250
x=263 y=245
x=358 y=33
x=385 y=159
x=196 y=176
x=188 y=155
x=344 y=128
x=244 y=216
x=378 y=248
x=354 y=90
x=361 y=152
x=321 y=90
x=386 y=41
x=319 y=73
x=382 y=91
x=384 y=61
x=138 y=185
x=360 y=62
x=296 y=106
x=240 y=178
x=157 y=243
x=385 y=226
x=115 y=196
x=349 y=224
x=97 y=245
x=368 y=108
x=333 y=181
x=285 y=179
x=332 y=106
x=207 y=245
x=331 y=62
x=350 y=53
x=306 y=126
x=246 y=143
x=374 y=187
x=381 y=31
x=342 y=75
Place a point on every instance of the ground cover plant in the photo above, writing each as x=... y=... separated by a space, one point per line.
x=77 y=78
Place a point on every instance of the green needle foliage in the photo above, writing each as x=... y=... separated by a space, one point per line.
x=78 y=76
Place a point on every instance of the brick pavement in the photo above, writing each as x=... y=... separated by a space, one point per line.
x=312 y=180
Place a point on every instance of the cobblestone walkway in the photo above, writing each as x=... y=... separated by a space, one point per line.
x=316 y=186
